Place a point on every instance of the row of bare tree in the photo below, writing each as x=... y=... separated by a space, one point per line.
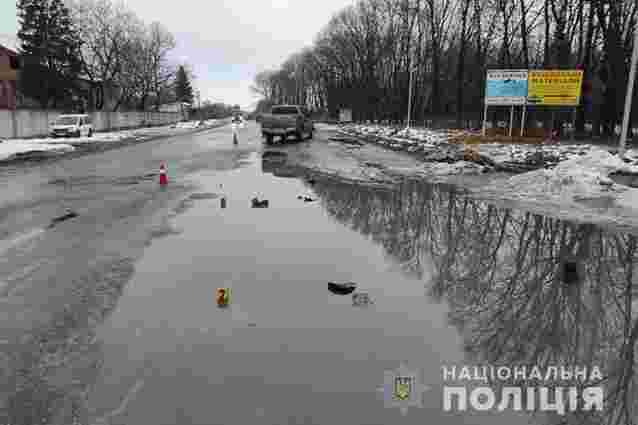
x=123 y=55
x=362 y=59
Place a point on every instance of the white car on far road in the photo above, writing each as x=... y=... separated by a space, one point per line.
x=72 y=126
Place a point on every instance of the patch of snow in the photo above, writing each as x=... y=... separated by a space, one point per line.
x=628 y=199
x=114 y=136
x=326 y=127
x=189 y=124
x=582 y=176
x=459 y=167
x=211 y=122
x=10 y=148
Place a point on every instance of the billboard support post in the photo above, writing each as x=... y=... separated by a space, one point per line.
x=511 y=120
x=523 y=120
x=629 y=97
x=485 y=121
x=574 y=123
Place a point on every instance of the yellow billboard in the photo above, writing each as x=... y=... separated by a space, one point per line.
x=554 y=88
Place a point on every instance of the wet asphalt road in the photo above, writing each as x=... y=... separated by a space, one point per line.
x=110 y=317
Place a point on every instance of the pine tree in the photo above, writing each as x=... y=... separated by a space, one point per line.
x=183 y=87
x=50 y=48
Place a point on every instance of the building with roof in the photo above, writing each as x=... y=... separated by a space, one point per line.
x=8 y=77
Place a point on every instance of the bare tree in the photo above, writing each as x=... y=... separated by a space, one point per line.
x=106 y=31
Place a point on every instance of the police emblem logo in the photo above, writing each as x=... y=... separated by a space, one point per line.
x=403 y=387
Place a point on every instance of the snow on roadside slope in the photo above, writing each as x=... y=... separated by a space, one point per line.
x=10 y=148
x=441 y=169
x=113 y=136
x=582 y=177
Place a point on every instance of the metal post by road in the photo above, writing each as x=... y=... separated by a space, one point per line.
x=410 y=96
x=485 y=119
x=511 y=120
x=629 y=97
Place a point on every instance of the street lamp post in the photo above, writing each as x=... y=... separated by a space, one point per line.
x=410 y=96
x=629 y=97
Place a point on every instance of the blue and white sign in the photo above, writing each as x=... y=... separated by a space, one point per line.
x=506 y=87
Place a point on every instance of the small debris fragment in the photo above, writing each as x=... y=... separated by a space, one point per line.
x=570 y=273
x=256 y=203
x=69 y=215
x=308 y=199
x=342 y=288
x=203 y=196
x=361 y=299
x=373 y=165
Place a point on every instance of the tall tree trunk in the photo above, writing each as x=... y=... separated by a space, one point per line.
x=525 y=47
x=460 y=72
x=546 y=50
x=587 y=65
x=546 y=60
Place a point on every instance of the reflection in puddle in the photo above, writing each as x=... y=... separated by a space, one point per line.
x=523 y=289
x=507 y=277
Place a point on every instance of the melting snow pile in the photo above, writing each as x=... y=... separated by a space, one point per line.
x=399 y=138
x=210 y=122
x=114 y=136
x=460 y=167
x=11 y=148
x=189 y=124
x=584 y=176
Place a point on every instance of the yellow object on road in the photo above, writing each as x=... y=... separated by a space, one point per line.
x=223 y=297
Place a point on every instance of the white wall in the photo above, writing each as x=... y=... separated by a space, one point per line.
x=33 y=123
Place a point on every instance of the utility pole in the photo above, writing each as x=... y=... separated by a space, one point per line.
x=410 y=96
x=297 y=81
x=199 y=104
x=45 y=57
x=629 y=97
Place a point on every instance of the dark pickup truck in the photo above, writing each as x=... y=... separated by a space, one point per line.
x=287 y=120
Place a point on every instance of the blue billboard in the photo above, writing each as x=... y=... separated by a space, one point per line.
x=504 y=87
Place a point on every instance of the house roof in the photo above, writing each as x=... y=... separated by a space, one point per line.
x=9 y=42
x=8 y=52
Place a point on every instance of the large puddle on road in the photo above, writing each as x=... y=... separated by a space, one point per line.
x=454 y=282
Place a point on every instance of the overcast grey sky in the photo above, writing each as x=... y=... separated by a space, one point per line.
x=227 y=42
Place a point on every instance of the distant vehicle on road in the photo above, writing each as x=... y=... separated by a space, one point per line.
x=72 y=126
x=286 y=120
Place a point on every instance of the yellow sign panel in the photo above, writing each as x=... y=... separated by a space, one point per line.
x=554 y=88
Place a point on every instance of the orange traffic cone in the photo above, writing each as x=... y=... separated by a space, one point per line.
x=162 y=173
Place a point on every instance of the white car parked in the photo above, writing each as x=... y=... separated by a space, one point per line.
x=72 y=126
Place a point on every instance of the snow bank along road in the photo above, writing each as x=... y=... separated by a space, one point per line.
x=578 y=182
x=17 y=150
